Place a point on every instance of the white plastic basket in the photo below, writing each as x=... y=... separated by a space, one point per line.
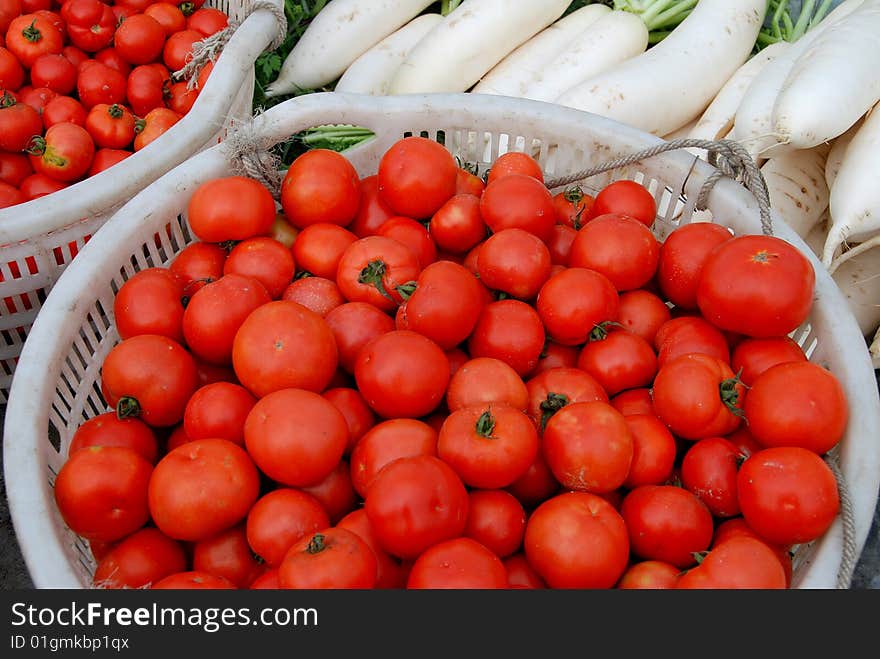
x=57 y=382
x=39 y=238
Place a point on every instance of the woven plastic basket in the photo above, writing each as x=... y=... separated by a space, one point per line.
x=57 y=384
x=39 y=238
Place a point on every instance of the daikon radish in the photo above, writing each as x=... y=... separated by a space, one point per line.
x=470 y=41
x=796 y=183
x=614 y=38
x=843 y=60
x=371 y=73
x=838 y=153
x=512 y=75
x=815 y=239
x=753 y=126
x=681 y=133
x=859 y=281
x=340 y=33
x=874 y=350
x=855 y=195
x=673 y=82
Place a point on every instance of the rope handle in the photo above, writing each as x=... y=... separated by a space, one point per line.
x=209 y=48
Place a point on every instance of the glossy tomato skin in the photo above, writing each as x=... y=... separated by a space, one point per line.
x=335 y=492
x=54 y=71
x=64 y=153
x=626 y=197
x=634 y=401
x=496 y=520
x=218 y=410
x=231 y=208
x=150 y=302
x=619 y=360
x=555 y=355
x=384 y=443
x=709 y=470
x=485 y=380
x=228 y=555
x=682 y=256
x=619 y=247
x=514 y=162
x=358 y=415
x=458 y=226
x=139 y=39
x=318 y=248
x=574 y=301
x=643 y=313
x=266 y=260
x=315 y=293
x=371 y=269
x=198 y=264
x=412 y=234
x=688 y=334
x=354 y=325
x=518 y=201
x=460 y=563
x=390 y=573
x=281 y=518
x=520 y=574
x=515 y=262
x=14 y=168
x=509 y=330
x=141 y=559
x=144 y=89
x=752 y=357
x=193 y=580
x=109 y=430
x=649 y=575
x=333 y=558
x=320 y=186
x=64 y=108
x=416 y=176
x=737 y=526
x=739 y=562
x=759 y=286
x=156 y=122
x=11 y=71
x=106 y=158
x=654 y=451
x=555 y=537
x=99 y=83
x=373 y=211
x=572 y=207
x=551 y=390
x=177 y=49
x=29 y=36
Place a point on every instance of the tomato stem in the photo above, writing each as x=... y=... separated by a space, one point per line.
x=128 y=407
x=303 y=274
x=551 y=405
x=8 y=100
x=139 y=126
x=316 y=544
x=574 y=194
x=31 y=33
x=187 y=8
x=115 y=111
x=373 y=275
x=486 y=425
x=699 y=556
x=730 y=396
x=600 y=331
x=37 y=145
x=406 y=290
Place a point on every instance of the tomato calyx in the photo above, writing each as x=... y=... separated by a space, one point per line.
x=316 y=544
x=373 y=274
x=303 y=274
x=127 y=407
x=485 y=425
x=699 y=556
x=228 y=245
x=600 y=332
x=187 y=8
x=763 y=257
x=37 y=145
x=468 y=166
x=8 y=100
x=730 y=396
x=116 y=111
x=406 y=290
x=32 y=33
x=551 y=405
x=139 y=125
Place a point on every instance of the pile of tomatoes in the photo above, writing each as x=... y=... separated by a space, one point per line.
x=420 y=379
x=85 y=83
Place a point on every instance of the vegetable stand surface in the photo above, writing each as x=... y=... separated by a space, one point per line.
x=58 y=383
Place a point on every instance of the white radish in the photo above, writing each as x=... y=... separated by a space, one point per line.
x=815 y=239
x=371 y=73
x=859 y=281
x=753 y=126
x=874 y=350
x=855 y=195
x=614 y=38
x=512 y=75
x=796 y=183
x=838 y=153
x=680 y=133
x=673 y=82
x=339 y=34
x=840 y=68
x=470 y=41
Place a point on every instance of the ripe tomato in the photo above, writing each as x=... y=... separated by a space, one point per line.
x=140 y=560
x=572 y=207
x=54 y=71
x=268 y=580
x=560 y=244
x=553 y=389
x=496 y=520
x=618 y=360
x=537 y=484
x=64 y=153
x=263 y=259
x=180 y=98
x=634 y=401
x=144 y=89
x=461 y=563
x=101 y=492
x=687 y=334
x=412 y=234
x=75 y=55
x=109 y=430
x=458 y=226
x=797 y=404
x=371 y=269
x=588 y=447
x=38 y=185
x=149 y=376
x=517 y=201
x=654 y=451
x=319 y=247
x=372 y=212
x=402 y=374
x=99 y=83
x=354 y=325
x=752 y=357
x=760 y=286
x=335 y=492
x=682 y=256
x=14 y=168
x=572 y=302
x=643 y=313
x=9 y=9
x=555 y=355
x=514 y=162
x=315 y=293
x=197 y=265
x=320 y=186
x=485 y=380
x=467 y=181
x=334 y=558
x=281 y=518
x=560 y=528
x=358 y=415
x=193 y=580
x=231 y=208
x=139 y=39
x=90 y=24
x=627 y=198
x=649 y=575
x=112 y=58
x=520 y=574
x=106 y=158
x=698 y=396
x=178 y=47
x=666 y=523
x=414 y=503
x=384 y=443
x=149 y=302
x=29 y=36
x=416 y=177
x=509 y=330
x=227 y=555
x=168 y=16
x=515 y=262
x=390 y=573
x=20 y=122
x=218 y=410
x=737 y=527
x=739 y=562
x=619 y=247
x=64 y=108
x=10 y=196
x=202 y=488
x=709 y=470
x=207 y=20
x=156 y=123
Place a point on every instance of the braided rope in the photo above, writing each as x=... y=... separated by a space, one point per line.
x=849 y=553
x=249 y=155
x=208 y=49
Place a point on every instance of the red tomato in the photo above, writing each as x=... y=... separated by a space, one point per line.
x=390 y=573
x=412 y=234
x=37 y=97
x=416 y=177
x=281 y=518
x=145 y=89
x=634 y=401
x=9 y=9
x=709 y=470
x=666 y=523
x=319 y=247
x=268 y=580
x=10 y=196
x=149 y=302
x=14 y=168
x=643 y=313
x=30 y=35
x=354 y=325
x=740 y=562
x=515 y=262
x=654 y=451
x=320 y=186
x=181 y=98
x=139 y=39
x=561 y=527
x=555 y=355
x=682 y=256
x=141 y=559
x=509 y=330
x=483 y=381
x=20 y=123
x=64 y=109
x=198 y=264
x=649 y=575
x=467 y=182
x=687 y=334
x=373 y=212
x=358 y=415
x=514 y=162
x=384 y=443
x=106 y=158
x=537 y=484
x=334 y=558
x=219 y=411
x=315 y=293
x=619 y=247
x=627 y=198
x=99 y=83
x=458 y=226
x=55 y=72
x=573 y=302
x=39 y=185
x=64 y=153
x=553 y=389
x=461 y=563
x=518 y=201
x=560 y=244
x=737 y=527
x=496 y=520
x=168 y=16
x=752 y=357
x=178 y=47
x=618 y=360
x=156 y=123
x=372 y=269
x=335 y=492
x=109 y=430
x=207 y=20
x=112 y=58
x=231 y=208
x=520 y=574
x=193 y=580
x=572 y=207
x=101 y=492
x=90 y=24
x=263 y=259
x=227 y=555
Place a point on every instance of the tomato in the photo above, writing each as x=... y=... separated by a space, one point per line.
x=458 y=226
x=643 y=313
x=149 y=302
x=467 y=181
x=218 y=410
x=10 y=196
x=149 y=376
x=282 y=344
x=207 y=20
x=315 y=293
x=371 y=269
x=737 y=527
x=14 y=168
x=354 y=325
x=320 y=186
x=760 y=286
x=572 y=207
x=518 y=201
x=30 y=36
x=514 y=162
x=98 y=83
x=64 y=109
x=90 y=24
x=619 y=247
x=231 y=208
x=588 y=447
x=444 y=306
x=654 y=451
x=687 y=334
x=412 y=234
x=414 y=503
x=626 y=198
x=109 y=430
x=263 y=259
x=496 y=520
x=202 y=488
x=216 y=312
x=20 y=122
x=9 y=9
x=390 y=573
x=402 y=374
x=193 y=580
x=537 y=484
x=555 y=355
x=75 y=55
x=178 y=47
x=509 y=330
x=319 y=247
x=145 y=90
x=101 y=492
x=752 y=357
x=139 y=560
x=281 y=518
x=682 y=256
x=168 y=16
x=484 y=380
x=197 y=265
x=520 y=574
x=553 y=389
x=372 y=212
x=39 y=185
x=156 y=123
x=560 y=528
x=37 y=97
x=227 y=555
x=739 y=562
x=708 y=470
x=649 y=575
x=698 y=396
x=560 y=244
x=335 y=492
x=268 y=580
x=64 y=153
x=106 y=158
x=416 y=176
x=574 y=301
x=461 y=563
x=384 y=443
x=55 y=72
x=618 y=360
x=797 y=404
x=180 y=98
x=666 y=523
x=333 y=558
x=139 y=39
x=515 y=262
x=112 y=58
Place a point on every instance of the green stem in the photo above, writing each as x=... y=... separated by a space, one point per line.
x=373 y=274
x=485 y=425
x=447 y=6
x=803 y=21
x=551 y=405
x=127 y=407
x=316 y=544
